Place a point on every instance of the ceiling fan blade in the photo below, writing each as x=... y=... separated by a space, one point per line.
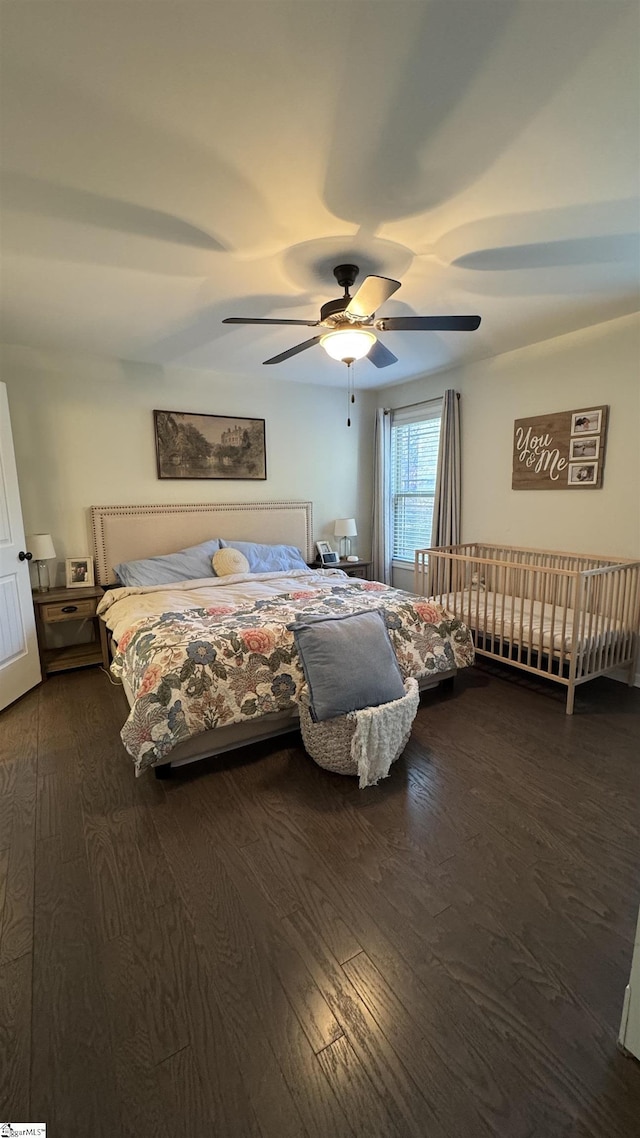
x=259 y=320
x=372 y=293
x=293 y=351
x=428 y=323
x=380 y=356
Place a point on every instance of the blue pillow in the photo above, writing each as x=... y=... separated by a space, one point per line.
x=186 y=565
x=267 y=558
x=348 y=662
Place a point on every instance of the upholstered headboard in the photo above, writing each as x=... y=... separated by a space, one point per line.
x=126 y=533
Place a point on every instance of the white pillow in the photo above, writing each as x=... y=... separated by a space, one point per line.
x=227 y=561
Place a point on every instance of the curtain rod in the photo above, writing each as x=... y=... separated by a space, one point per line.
x=407 y=406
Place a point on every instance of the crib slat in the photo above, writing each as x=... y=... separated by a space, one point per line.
x=633 y=612
x=543 y=599
x=522 y=578
x=492 y=634
x=598 y=626
x=513 y=625
x=605 y=598
x=634 y=626
x=585 y=640
x=532 y=590
x=616 y=624
x=477 y=605
x=575 y=638
x=605 y=605
x=627 y=616
x=623 y=617
x=552 y=629
x=565 y=606
x=591 y=632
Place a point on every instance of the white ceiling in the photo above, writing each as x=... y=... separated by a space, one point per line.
x=167 y=164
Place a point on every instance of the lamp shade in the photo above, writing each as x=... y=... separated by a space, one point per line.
x=345 y=527
x=40 y=546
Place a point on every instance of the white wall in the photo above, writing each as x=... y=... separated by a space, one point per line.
x=83 y=433
x=586 y=368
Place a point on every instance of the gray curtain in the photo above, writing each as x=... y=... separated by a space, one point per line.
x=381 y=527
x=446 y=505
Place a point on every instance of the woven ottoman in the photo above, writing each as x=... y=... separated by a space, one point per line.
x=364 y=743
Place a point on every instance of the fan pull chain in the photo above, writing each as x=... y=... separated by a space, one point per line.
x=351 y=398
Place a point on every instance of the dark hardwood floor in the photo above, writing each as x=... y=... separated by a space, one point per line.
x=258 y=948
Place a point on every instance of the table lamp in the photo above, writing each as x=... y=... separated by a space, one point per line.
x=345 y=529
x=40 y=546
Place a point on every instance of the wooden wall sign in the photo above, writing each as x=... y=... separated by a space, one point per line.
x=561 y=451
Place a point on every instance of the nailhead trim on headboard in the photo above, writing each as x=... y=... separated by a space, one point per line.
x=100 y=513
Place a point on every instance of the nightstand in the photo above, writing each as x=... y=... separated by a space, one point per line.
x=351 y=568
x=58 y=606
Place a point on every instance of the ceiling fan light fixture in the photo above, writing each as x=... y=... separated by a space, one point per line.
x=348 y=343
x=349 y=319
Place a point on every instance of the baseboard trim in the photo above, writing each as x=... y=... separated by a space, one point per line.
x=622 y=1034
x=622 y=675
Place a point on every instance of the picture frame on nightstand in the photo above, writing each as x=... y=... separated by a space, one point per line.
x=326 y=554
x=79 y=572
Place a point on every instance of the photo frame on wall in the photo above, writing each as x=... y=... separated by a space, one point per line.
x=209 y=446
x=586 y=422
x=584 y=448
x=583 y=473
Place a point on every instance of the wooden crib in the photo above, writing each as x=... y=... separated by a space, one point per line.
x=569 y=617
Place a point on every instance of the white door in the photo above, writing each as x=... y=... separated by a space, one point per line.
x=630 y=1026
x=19 y=660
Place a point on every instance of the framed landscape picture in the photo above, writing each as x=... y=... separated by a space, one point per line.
x=209 y=446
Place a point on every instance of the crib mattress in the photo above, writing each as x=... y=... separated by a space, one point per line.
x=513 y=619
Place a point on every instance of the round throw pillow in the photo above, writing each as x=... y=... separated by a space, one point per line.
x=227 y=561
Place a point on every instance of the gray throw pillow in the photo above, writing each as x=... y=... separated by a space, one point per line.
x=349 y=663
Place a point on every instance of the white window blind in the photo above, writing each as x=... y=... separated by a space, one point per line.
x=415 y=438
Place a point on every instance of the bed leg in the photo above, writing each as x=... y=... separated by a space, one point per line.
x=163 y=771
x=571 y=693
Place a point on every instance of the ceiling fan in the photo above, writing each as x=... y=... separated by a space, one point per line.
x=350 y=322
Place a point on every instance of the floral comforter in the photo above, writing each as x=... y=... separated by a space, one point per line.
x=223 y=663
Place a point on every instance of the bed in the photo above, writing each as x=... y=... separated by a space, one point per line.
x=209 y=664
x=565 y=616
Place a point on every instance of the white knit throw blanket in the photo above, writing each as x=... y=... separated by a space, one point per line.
x=382 y=733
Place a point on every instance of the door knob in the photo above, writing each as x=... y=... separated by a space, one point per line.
x=24 y=556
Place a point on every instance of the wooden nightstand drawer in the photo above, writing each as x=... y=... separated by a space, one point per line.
x=69 y=610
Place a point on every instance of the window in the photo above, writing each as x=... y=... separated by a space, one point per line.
x=415 y=438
